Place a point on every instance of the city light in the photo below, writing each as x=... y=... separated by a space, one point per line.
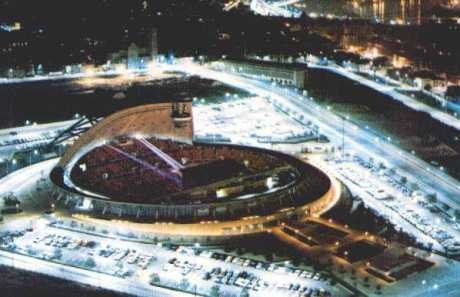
x=189 y=150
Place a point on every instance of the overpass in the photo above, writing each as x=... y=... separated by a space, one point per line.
x=274 y=9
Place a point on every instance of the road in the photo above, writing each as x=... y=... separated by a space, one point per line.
x=358 y=139
x=446 y=290
x=22 y=178
x=34 y=135
x=390 y=91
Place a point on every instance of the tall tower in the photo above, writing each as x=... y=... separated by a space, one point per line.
x=133 y=56
x=153 y=44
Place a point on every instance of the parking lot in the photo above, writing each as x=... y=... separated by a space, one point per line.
x=192 y=269
x=250 y=121
x=401 y=198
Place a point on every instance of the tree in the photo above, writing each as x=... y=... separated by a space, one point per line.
x=380 y=62
x=366 y=279
x=414 y=187
x=215 y=291
x=184 y=284
x=392 y=171
x=244 y=293
x=353 y=273
x=31 y=250
x=432 y=198
x=446 y=207
x=403 y=180
x=89 y=263
x=154 y=279
x=57 y=254
x=296 y=261
x=269 y=257
x=457 y=213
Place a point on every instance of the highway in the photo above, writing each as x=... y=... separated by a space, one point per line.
x=359 y=139
x=446 y=290
x=390 y=91
x=33 y=136
x=22 y=178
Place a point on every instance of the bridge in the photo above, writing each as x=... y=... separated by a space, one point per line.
x=285 y=3
x=280 y=8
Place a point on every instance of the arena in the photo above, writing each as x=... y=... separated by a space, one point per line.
x=141 y=175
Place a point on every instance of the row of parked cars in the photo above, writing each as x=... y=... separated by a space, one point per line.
x=265 y=266
x=421 y=221
x=61 y=241
x=127 y=256
x=396 y=194
x=7 y=238
x=241 y=279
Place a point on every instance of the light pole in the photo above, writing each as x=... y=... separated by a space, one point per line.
x=343 y=135
x=3 y=161
x=343 y=138
x=13 y=163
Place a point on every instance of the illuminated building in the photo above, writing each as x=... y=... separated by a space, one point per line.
x=141 y=165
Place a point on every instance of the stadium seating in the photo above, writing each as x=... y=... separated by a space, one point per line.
x=111 y=173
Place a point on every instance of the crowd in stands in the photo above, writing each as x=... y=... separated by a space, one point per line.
x=119 y=169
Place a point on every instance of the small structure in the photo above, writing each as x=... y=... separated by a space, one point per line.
x=286 y=74
x=428 y=80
